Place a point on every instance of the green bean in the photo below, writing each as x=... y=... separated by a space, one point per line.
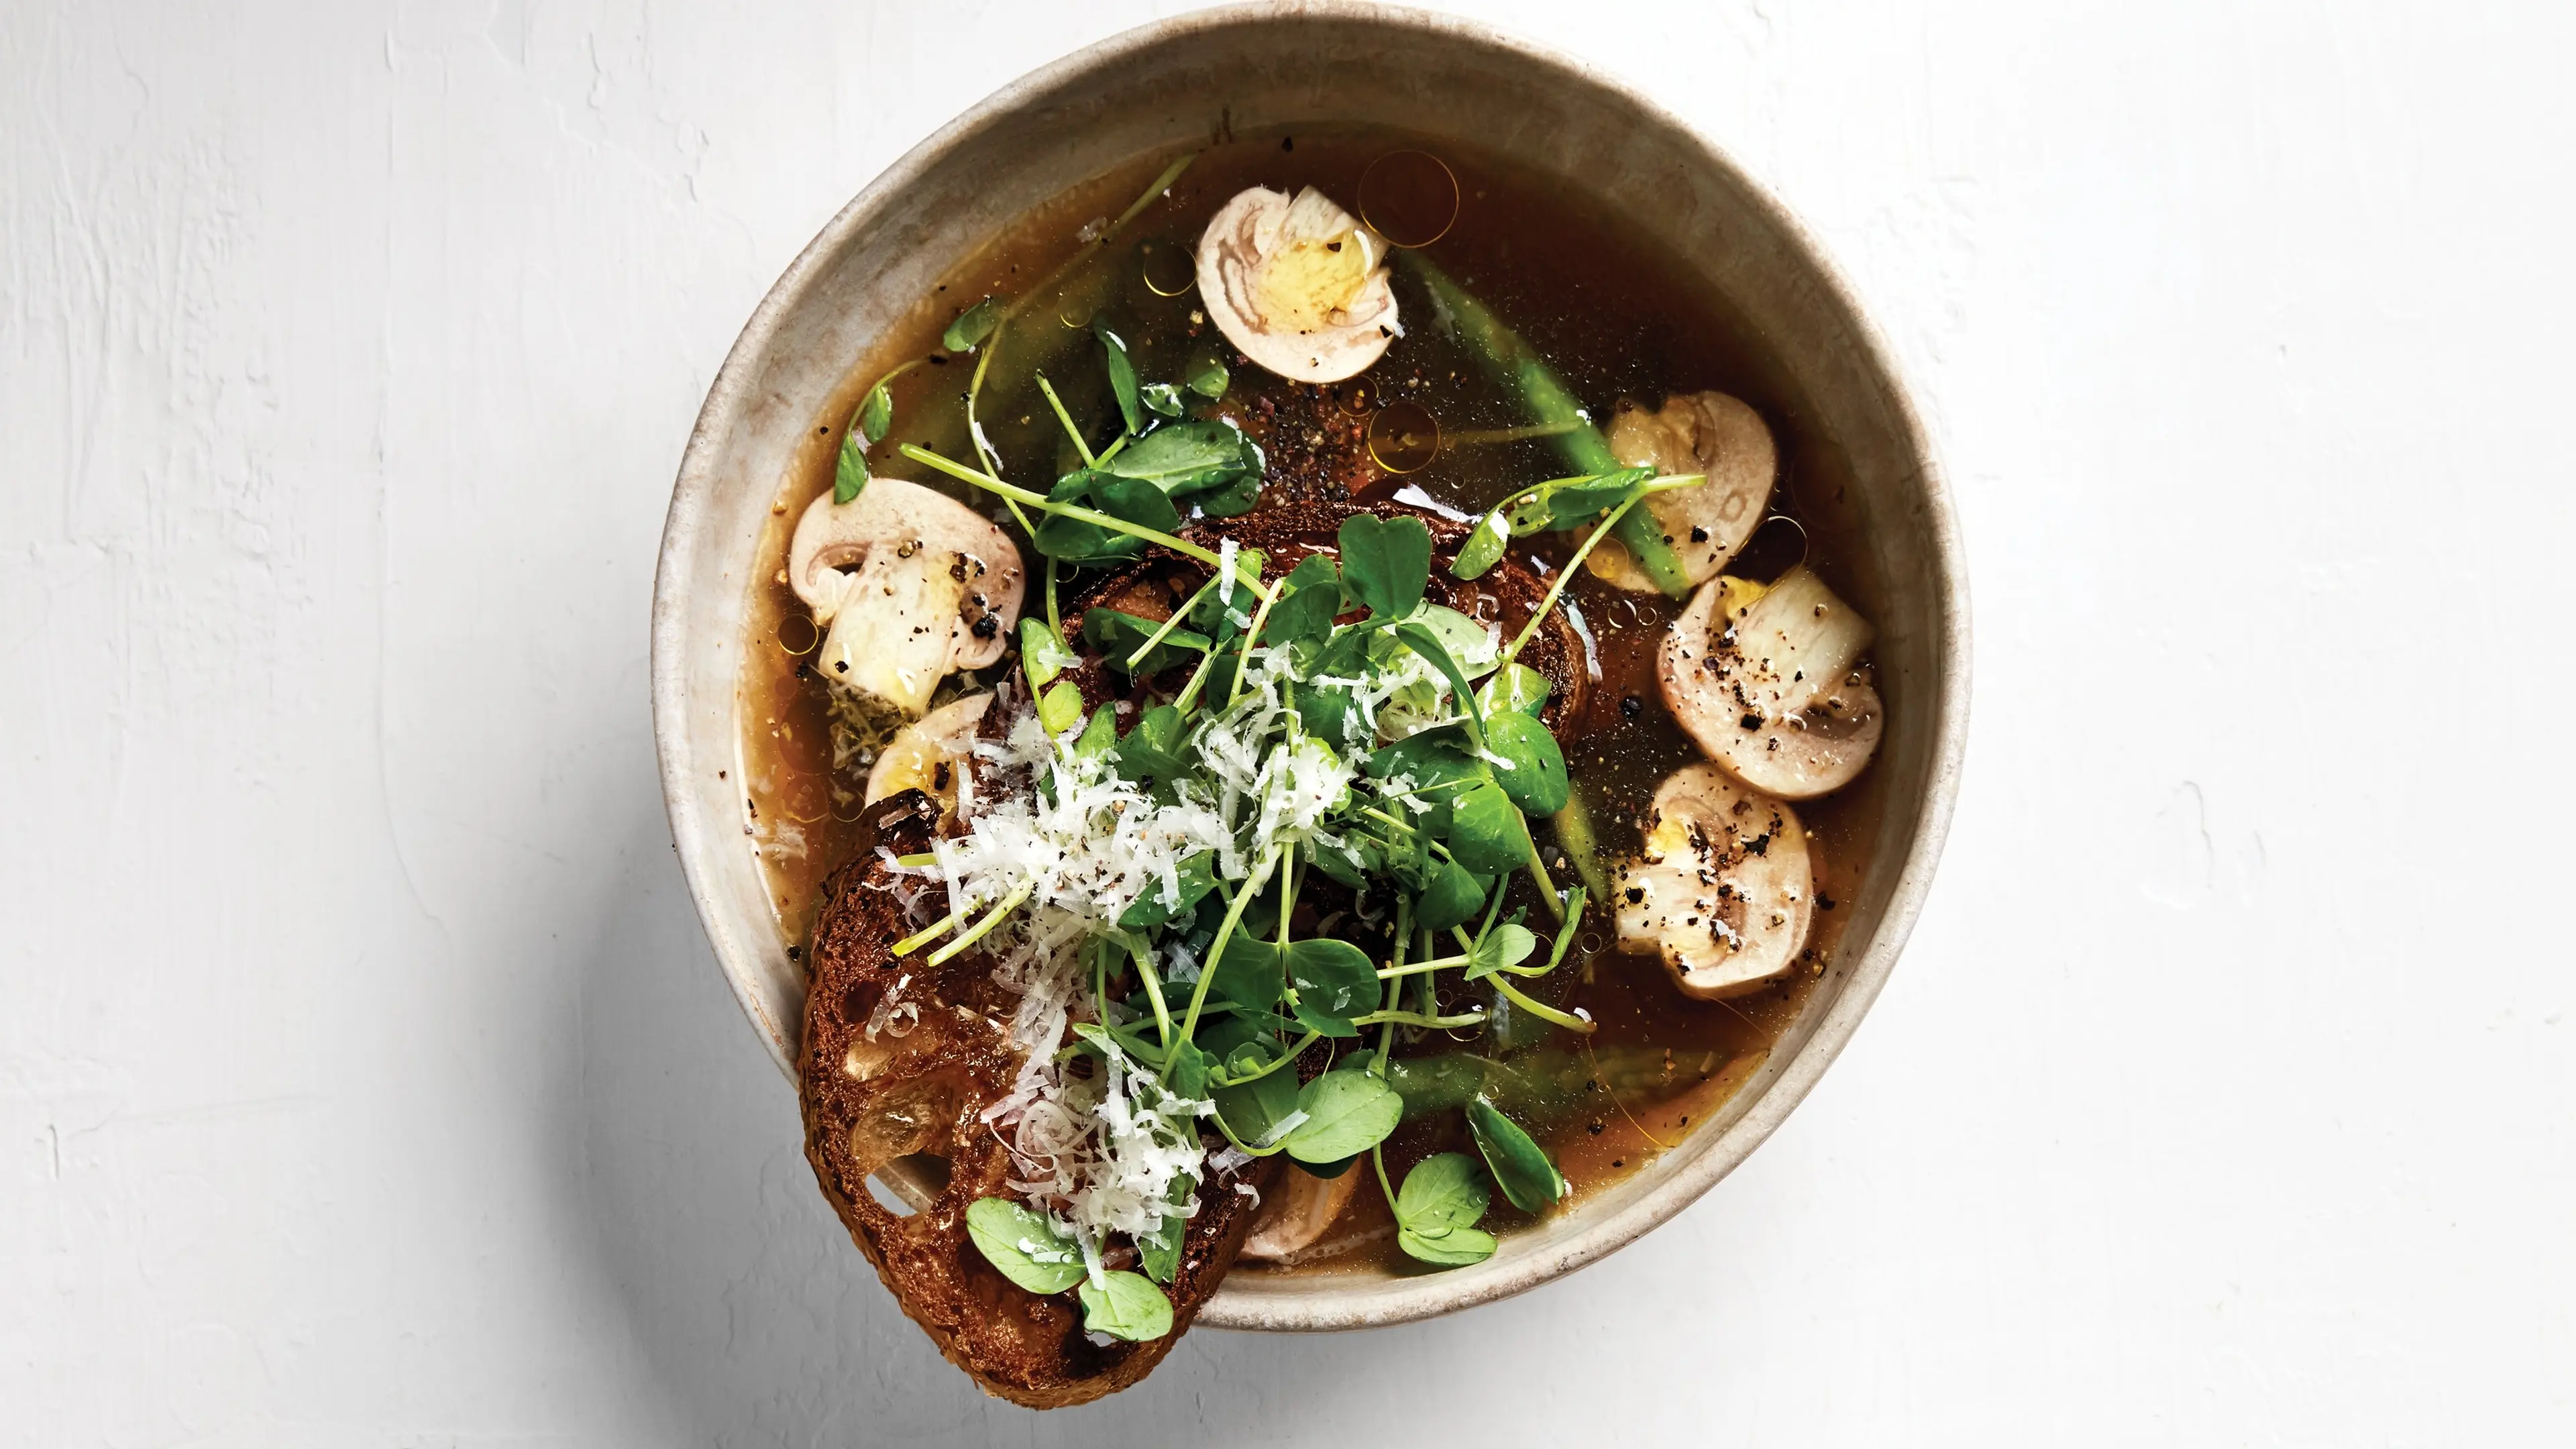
x=1514 y=364
x=1531 y=1083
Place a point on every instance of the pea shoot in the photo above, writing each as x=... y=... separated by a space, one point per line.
x=1325 y=719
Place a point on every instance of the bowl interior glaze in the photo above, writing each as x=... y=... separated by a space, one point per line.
x=1196 y=79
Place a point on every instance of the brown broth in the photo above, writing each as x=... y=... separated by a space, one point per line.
x=1615 y=317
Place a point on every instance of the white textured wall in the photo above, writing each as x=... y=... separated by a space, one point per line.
x=364 y=1079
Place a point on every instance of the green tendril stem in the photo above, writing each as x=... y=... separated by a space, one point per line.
x=993 y=918
x=1224 y=933
x=1294 y=1052
x=1541 y=1009
x=1013 y=493
x=1564 y=575
x=1171 y=623
x=1066 y=418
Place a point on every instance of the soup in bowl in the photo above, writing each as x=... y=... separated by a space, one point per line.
x=1307 y=671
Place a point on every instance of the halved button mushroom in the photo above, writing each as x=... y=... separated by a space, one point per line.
x=913 y=585
x=1708 y=433
x=1297 y=1213
x=1769 y=683
x=926 y=754
x=1724 y=890
x=1298 y=286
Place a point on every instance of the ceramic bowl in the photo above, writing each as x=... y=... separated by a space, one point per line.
x=1195 y=78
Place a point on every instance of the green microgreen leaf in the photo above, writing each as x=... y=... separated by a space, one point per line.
x=1348 y=1111
x=1486 y=832
x=1252 y=1109
x=1335 y=981
x=1060 y=708
x=1579 y=501
x=1447 y=1247
x=1305 y=611
x=1206 y=375
x=1471 y=644
x=1250 y=973
x=876 y=414
x=1421 y=640
x=1154 y=749
x=850 y=473
x=1136 y=501
x=1029 y=1247
x=1162 y=397
x=1100 y=735
x=1574 y=899
x=1501 y=947
x=1452 y=897
x=1436 y=1212
x=1326 y=712
x=871 y=421
x=1077 y=540
x=1536 y=777
x=1516 y=688
x=1520 y=1166
x=1043 y=653
x=1386 y=563
x=1126 y=1305
x=1232 y=501
x=1160 y=1249
x=1197 y=876
x=972 y=326
x=1122 y=377
x=1187 y=458
x=1483 y=548
x=1186 y=1071
x=1446 y=1190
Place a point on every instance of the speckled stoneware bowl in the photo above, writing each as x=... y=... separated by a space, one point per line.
x=1188 y=80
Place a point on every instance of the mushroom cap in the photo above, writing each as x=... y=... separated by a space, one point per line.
x=1708 y=433
x=1772 y=689
x=832 y=539
x=912 y=760
x=1724 y=889
x=1299 y=286
x=1296 y=1214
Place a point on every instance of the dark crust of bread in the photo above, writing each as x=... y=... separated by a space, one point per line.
x=923 y=1092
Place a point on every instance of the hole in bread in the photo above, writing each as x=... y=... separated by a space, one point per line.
x=905 y=1119
x=910 y=1183
x=926 y=1168
x=889 y=1199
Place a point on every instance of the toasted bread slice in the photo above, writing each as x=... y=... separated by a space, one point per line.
x=921 y=1090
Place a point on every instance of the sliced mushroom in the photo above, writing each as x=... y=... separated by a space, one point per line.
x=1711 y=434
x=1770 y=684
x=927 y=754
x=1297 y=1212
x=1724 y=889
x=1299 y=286
x=913 y=585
